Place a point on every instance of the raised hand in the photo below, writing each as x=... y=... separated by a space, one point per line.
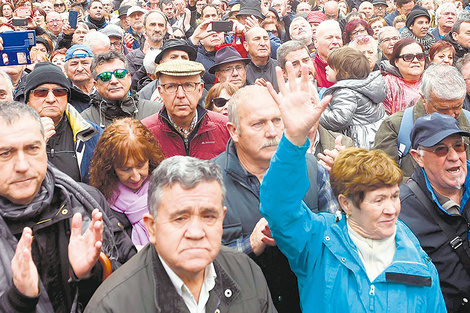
x=25 y=273
x=328 y=157
x=299 y=104
x=84 y=250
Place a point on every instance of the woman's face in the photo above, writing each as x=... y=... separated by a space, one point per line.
x=59 y=7
x=358 y=31
x=376 y=26
x=223 y=109
x=342 y=6
x=410 y=70
x=377 y=214
x=445 y=56
x=39 y=47
x=133 y=174
x=58 y=60
x=38 y=17
x=369 y=52
x=7 y=11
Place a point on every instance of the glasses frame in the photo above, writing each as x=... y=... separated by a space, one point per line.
x=185 y=89
x=416 y=56
x=117 y=71
x=55 y=91
x=219 y=99
x=440 y=153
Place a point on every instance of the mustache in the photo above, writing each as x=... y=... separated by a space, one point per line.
x=270 y=143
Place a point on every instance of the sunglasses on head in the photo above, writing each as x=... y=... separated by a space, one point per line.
x=106 y=76
x=219 y=102
x=44 y=92
x=408 y=57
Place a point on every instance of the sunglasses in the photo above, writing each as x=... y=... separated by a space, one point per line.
x=106 y=76
x=219 y=102
x=59 y=5
x=443 y=150
x=408 y=57
x=43 y=92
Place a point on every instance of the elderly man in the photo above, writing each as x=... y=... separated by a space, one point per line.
x=71 y=139
x=261 y=69
x=404 y=7
x=185 y=269
x=380 y=7
x=328 y=39
x=172 y=49
x=47 y=6
x=155 y=24
x=98 y=42
x=387 y=37
x=367 y=8
x=446 y=15
x=54 y=268
x=134 y=36
x=331 y=10
x=255 y=127
x=417 y=26
x=54 y=25
x=113 y=99
x=182 y=127
x=459 y=37
x=230 y=67
x=95 y=18
x=443 y=91
x=435 y=203
x=78 y=69
x=115 y=35
x=300 y=30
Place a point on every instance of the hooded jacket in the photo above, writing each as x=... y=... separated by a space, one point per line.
x=356 y=109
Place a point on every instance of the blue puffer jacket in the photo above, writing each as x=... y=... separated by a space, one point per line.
x=331 y=276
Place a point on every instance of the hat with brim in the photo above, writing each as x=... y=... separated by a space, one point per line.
x=227 y=55
x=180 y=68
x=431 y=129
x=123 y=10
x=377 y=2
x=78 y=51
x=135 y=9
x=111 y=31
x=176 y=44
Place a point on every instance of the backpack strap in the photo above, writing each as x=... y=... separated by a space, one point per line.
x=403 y=139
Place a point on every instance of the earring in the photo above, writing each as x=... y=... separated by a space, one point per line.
x=347 y=215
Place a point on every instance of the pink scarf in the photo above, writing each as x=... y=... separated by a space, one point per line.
x=134 y=205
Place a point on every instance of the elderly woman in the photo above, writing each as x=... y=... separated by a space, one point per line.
x=442 y=52
x=356 y=28
x=402 y=75
x=218 y=96
x=361 y=260
x=368 y=47
x=123 y=159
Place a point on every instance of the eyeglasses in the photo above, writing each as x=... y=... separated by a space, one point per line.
x=443 y=150
x=173 y=88
x=388 y=39
x=179 y=37
x=219 y=102
x=408 y=57
x=106 y=76
x=44 y=92
x=359 y=31
x=59 y=5
x=54 y=22
x=116 y=44
x=230 y=69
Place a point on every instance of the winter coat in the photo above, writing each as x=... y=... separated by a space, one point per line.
x=209 y=139
x=143 y=285
x=460 y=50
x=455 y=282
x=331 y=275
x=356 y=109
x=401 y=94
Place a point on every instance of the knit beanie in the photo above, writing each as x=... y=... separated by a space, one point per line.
x=415 y=13
x=46 y=73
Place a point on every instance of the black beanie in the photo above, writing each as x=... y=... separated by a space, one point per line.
x=415 y=13
x=45 y=73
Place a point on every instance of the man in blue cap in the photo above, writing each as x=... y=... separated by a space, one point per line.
x=434 y=203
x=78 y=69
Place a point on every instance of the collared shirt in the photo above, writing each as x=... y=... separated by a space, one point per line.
x=188 y=298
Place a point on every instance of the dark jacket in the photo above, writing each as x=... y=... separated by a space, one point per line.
x=455 y=282
x=135 y=60
x=63 y=41
x=460 y=50
x=208 y=140
x=142 y=285
x=266 y=71
x=207 y=58
x=390 y=17
x=78 y=99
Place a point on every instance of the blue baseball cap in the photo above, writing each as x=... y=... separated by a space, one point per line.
x=78 y=51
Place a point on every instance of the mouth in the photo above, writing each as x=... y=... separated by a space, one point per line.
x=455 y=171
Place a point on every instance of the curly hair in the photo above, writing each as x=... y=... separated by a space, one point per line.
x=124 y=139
x=351 y=26
x=357 y=171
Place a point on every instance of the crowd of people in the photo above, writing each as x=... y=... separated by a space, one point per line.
x=235 y=156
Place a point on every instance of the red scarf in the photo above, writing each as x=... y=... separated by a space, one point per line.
x=320 y=69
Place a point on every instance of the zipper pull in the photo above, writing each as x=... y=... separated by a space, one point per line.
x=372 y=290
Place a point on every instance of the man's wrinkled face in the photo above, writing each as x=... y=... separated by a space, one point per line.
x=54 y=22
x=327 y=41
x=447 y=18
x=114 y=89
x=155 y=27
x=299 y=57
x=234 y=72
x=380 y=10
x=23 y=160
x=168 y=10
x=448 y=107
x=50 y=105
x=187 y=231
x=115 y=43
x=301 y=31
x=181 y=104
x=96 y=10
x=466 y=76
x=107 y=6
x=136 y=20
x=258 y=44
x=79 y=69
x=47 y=7
x=367 y=8
x=388 y=39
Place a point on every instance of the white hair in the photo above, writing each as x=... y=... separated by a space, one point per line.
x=149 y=61
x=93 y=39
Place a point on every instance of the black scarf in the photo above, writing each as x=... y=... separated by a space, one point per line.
x=78 y=200
x=115 y=109
x=99 y=23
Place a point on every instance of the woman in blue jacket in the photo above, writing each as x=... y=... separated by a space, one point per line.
x=365 y=261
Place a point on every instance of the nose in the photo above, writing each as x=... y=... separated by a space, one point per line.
x=180 y=92
x=391 y=206
x=452 y=155
x=50 y=97
x=21 y=164
x=271 y=130
x=135 y=176
x=195 y=230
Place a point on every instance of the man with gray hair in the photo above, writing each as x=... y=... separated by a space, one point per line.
x=442 y=91
x=98 y=42
x=255 y=127
x=387 y=37
x=446 y=15
x=185 y=268
x=300 y=30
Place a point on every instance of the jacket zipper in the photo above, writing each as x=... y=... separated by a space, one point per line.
x=371 y=298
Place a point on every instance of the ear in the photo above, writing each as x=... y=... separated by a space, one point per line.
x=417 y=157
x=454 y=34
x=232 y=129
x=149 y=222
x=217 y=75
x=315 y=41
x=245 y=45
x=344 y=203
x=160 y=89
